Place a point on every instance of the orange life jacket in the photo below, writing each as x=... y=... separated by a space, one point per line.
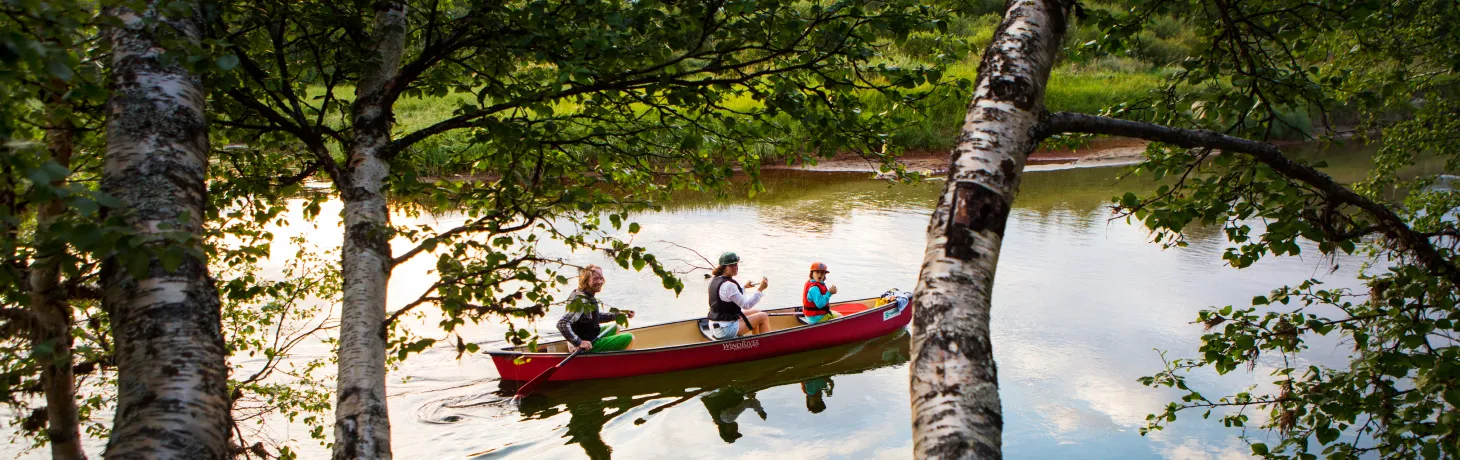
x=808 y=308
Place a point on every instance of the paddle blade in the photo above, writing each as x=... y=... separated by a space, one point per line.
x=542 y=378
x=532 y=385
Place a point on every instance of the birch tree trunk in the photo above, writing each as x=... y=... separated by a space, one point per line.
x=362 y=423
x=51 y=335
x=955 y=393
x=172 y=380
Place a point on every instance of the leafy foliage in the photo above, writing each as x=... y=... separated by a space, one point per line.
x=1386 y=72
x=568 y=118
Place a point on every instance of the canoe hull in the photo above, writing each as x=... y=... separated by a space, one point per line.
x=869 y=324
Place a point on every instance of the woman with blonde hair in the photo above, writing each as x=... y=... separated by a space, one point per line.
x=581 y=324
x=731 y=311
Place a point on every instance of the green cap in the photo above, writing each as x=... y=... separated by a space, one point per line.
x=729 y=258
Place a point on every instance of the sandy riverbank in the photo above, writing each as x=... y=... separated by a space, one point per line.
x=1100 y=152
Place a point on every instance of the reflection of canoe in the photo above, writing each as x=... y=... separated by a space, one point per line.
x=681 y=345
x=592 y=406
x=889 y=350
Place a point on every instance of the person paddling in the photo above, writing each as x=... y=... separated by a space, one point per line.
x=816 y=295
x=580 y=326
x=730 y=308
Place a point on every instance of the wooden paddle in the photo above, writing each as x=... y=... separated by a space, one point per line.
x=542 y=378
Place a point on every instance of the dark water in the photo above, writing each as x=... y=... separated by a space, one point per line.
x=1083 y=303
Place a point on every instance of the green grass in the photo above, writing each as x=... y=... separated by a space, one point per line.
x=1083 y=83
x=1087 y=89
x=1072 y=91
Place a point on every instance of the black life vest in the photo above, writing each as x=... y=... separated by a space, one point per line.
x=722 y=310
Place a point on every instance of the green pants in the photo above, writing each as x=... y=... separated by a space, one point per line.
x=609 y=339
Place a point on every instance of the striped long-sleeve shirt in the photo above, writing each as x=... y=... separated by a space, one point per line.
x=575 y=325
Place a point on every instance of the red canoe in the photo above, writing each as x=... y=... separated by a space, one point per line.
x=683 y=345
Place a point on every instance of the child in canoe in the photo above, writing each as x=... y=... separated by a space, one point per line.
x=816 y=295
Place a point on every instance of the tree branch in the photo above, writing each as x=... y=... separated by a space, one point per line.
x=1390 y=223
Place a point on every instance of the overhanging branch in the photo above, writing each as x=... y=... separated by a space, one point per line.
x=1388 y=222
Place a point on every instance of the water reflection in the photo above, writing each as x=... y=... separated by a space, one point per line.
x=730 y=394
x=726 y=405
x=1080 y=303
x=814 y=389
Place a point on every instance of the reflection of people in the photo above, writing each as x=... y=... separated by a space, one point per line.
x=815 y=295
x=726 y=405
x=581 y=325
x=585 y=427
x=814 y=389
x=729 y=306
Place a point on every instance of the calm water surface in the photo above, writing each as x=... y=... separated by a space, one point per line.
x=1081 y=306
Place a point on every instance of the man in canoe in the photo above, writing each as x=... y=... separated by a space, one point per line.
x=730 y=308
x=581 y=325
x=816 y=295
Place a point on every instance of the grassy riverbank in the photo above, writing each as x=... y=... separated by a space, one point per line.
x=1086 y=81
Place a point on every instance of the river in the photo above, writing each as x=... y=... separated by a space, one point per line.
x=1082 y=306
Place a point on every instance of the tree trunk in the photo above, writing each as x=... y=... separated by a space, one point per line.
x=172 y=380
x=51 y=335
x=362 y=423
x=955 y=394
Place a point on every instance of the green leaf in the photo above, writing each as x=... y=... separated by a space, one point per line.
x=59 y=68
x=1430 y=451
x=138 y=264
x=171 y=258
x=228 y=62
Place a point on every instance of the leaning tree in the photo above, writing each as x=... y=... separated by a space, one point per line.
x=1386 y=69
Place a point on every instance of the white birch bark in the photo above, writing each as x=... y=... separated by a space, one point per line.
x=52 y=331
x=172 y=380
x=362 y=423
x=955 y=394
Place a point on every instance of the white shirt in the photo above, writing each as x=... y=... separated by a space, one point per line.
x=731 y=293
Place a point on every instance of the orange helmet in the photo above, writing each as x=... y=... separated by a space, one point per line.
x=819 y=267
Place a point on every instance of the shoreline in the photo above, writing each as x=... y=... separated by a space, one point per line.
x=1097 y=153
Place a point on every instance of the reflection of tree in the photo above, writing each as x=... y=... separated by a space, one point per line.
x=592 y=404
x=809 y=201
x=810 y=216
x=834 y=192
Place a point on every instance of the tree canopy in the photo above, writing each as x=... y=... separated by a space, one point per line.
x=555 y=121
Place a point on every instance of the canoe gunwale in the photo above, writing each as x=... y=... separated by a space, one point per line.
x=508 y=351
